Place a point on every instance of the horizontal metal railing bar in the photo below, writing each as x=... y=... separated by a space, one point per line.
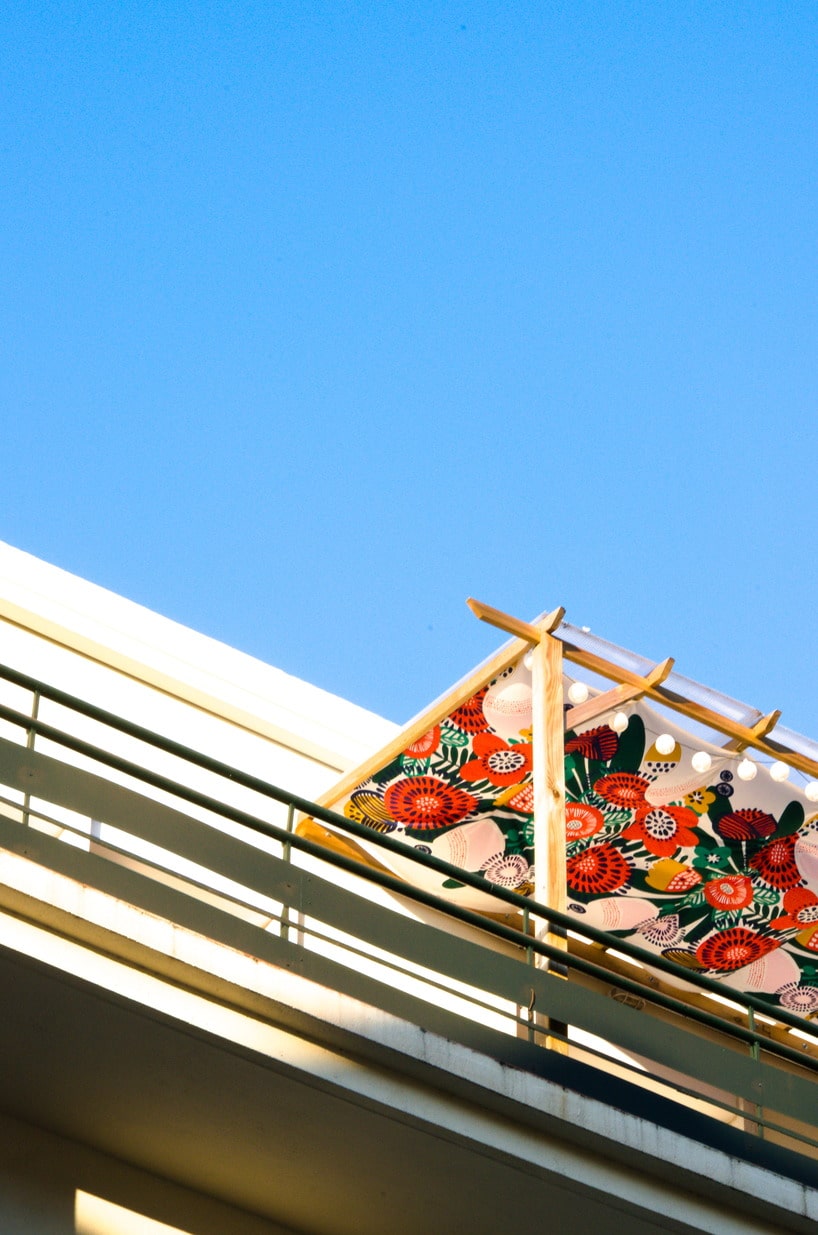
x=191 y=914
x=147 y=863
x=391 y=883
x=137 y=860
x=144 y=864
x=668 y=1045
x=394 y=884
x=304 y=806
x=359 y=869
x=462 y=959
x=516 y=937
x=346 y=946
x=755 y=1117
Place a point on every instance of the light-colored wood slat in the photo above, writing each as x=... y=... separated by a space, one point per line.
x=427 y=719
x=761 y=728
x=548 y=786
x=529 y=631
x=610 y=699
x=696 y=711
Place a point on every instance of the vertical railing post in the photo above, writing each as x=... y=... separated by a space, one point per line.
x=287 y=855
x=529 y=960
x=30 y=736
x=755 y=1054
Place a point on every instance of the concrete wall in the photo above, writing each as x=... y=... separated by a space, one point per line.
x=53 y=1186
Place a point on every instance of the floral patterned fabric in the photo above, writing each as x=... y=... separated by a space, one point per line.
x=462 y=791
x=714 y=873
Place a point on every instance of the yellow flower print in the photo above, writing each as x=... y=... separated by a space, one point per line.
x=699 y=800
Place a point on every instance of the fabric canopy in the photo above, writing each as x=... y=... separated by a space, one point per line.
x=716 y=873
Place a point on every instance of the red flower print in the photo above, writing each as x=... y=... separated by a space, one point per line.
x=601 y=868
x=663 y=829
x=469 y=715
x=427 y=802
x=745 y=825
x=729 y=892
x=600 y=743
x=732 y=949
x=425 y=745
x=497 y=761
x=776 y=865
x=623 y=788
x=582 y=820
x=800 y=911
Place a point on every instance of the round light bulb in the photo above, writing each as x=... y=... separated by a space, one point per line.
x=665 y=744
x=780 y=771
x=620 y=722
x=528 y=659
x=811 y=790
x=701 y=761
x=747 y=770
x=578 y=692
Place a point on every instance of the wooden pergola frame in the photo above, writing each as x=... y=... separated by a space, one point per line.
x=631 y=686
x=550 y=720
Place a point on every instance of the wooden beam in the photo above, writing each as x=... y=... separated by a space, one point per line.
x=548 y=788
x=610 y=699
x=761 y=728
x=426 y=720
x=659 y=672
x=526 y=635
x=696 y=711
x=529 y=631
x=548 y=773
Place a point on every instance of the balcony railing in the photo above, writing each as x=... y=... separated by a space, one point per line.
x=149 y=823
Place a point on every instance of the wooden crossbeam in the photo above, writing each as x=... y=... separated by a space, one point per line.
x=761 y=728
x=631 y=686
x=696 y=711
x=617 y=696
x=532 y=632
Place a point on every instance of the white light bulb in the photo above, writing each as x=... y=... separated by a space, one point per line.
x=578 y=692
x=747 y=770
x=665 y=744
x=620 y=722
x=811 y=791
x=779 y=771
x=701 y=761
x=528 y=659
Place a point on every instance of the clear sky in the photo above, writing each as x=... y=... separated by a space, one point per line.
x=316 y=318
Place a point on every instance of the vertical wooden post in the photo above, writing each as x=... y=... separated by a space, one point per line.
x=549 y=786
x=548 y=773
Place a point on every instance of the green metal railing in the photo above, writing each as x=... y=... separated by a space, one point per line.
x=496 y=973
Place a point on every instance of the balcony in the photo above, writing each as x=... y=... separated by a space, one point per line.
x=202 y=990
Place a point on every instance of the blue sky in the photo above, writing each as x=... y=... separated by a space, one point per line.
x=316 y=318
